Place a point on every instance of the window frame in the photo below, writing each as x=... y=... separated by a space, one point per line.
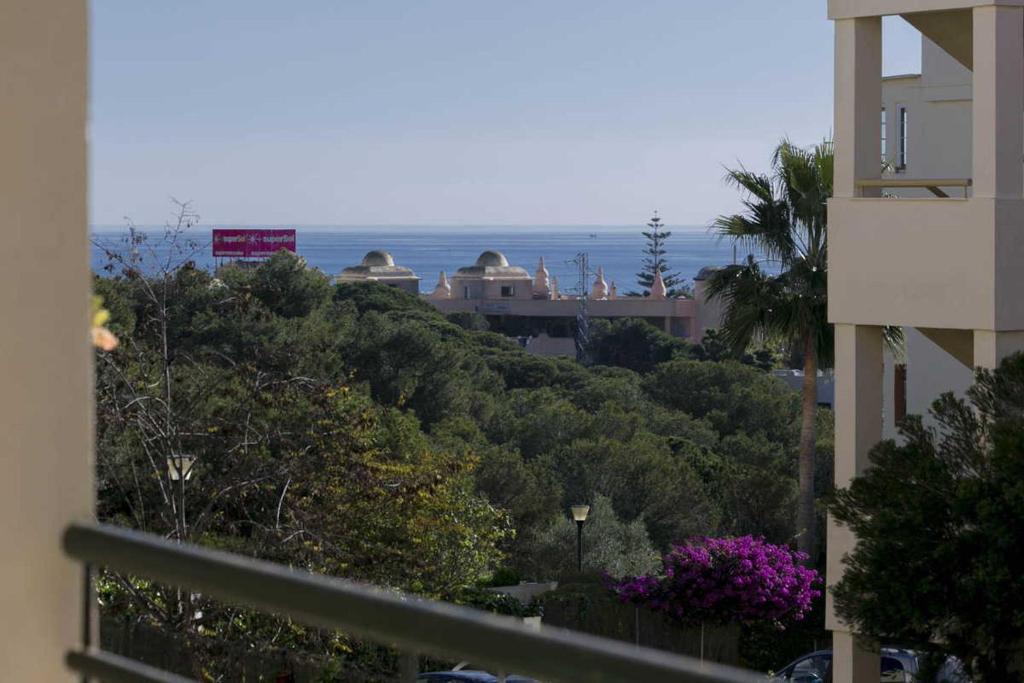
x=902 y=136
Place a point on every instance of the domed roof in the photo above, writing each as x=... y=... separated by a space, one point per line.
x=492 y=259
x=706 y=272
x=377 y=265
x=378 y=258
x=492 y=265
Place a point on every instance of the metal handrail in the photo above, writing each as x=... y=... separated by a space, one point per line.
x=933 y=185
x=411 y=624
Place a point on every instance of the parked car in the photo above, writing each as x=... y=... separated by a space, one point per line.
x=467 y=676
x=897 y=666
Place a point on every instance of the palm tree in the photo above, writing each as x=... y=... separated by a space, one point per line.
x=785 y=221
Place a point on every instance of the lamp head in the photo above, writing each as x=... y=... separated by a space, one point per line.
x=580 y=512
x=179 y=466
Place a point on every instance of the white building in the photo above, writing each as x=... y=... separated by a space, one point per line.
x=918 y=110
x=941 y=255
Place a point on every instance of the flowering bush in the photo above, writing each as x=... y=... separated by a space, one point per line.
x=725 y=580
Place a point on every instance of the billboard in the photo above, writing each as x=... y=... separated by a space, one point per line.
x=251 y=243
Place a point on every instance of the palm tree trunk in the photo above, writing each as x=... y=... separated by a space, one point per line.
x=806 y=521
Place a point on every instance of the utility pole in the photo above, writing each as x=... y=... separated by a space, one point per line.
x=582 y=262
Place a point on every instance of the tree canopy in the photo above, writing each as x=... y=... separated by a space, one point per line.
x=352 y=429
x=939 y=516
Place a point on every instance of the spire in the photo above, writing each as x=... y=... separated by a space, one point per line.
x=443 y=290
x=541 y=282
x=554 y=288
x=600 y=288
x=613 y=293
x=658 y=290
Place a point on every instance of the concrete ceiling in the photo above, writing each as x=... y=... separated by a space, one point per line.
x=952 y=30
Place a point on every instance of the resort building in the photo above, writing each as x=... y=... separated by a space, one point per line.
x=932 y=244
x=532 y=307
x=379 y=266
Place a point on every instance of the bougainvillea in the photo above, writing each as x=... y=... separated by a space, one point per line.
x=726 y=580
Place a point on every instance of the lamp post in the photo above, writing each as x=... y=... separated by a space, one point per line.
x=579 y=515
x=179 y=470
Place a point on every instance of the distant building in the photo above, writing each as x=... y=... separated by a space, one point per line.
x=379 y=266
x=532 y=308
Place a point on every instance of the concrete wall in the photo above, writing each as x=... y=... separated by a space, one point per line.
x=46 y=436
x=930 y=373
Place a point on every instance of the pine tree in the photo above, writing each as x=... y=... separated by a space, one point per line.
x=654 y=259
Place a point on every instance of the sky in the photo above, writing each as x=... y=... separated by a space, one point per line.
x=451 y=112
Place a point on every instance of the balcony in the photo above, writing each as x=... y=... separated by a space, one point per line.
x=942 y=263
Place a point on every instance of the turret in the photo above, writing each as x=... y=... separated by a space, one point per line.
x=600 y=288
x=658 y=290
x=443 y=290
x=541 y=282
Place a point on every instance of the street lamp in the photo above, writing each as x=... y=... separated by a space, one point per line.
x=179 y=466
x=579 y=514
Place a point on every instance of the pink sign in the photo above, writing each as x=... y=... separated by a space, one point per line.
x=250 y=243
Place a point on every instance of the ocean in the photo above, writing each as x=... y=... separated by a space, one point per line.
x=429 y=250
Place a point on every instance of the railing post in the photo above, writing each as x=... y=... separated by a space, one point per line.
x=408 y=667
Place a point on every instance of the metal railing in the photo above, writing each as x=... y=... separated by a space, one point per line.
x=410 y=624
x=933 y=185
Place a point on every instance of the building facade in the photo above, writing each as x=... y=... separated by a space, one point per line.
x=942 y=256
x=513 y=299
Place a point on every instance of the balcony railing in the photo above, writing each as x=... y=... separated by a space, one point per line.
x=413 y=625
x=933 y=185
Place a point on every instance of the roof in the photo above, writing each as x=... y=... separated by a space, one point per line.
x=492 y=264
x=706 y=272
x=377 y=265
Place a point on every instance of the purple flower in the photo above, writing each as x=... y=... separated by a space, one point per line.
x=722 y=580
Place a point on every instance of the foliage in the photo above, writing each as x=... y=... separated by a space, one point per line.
x=634 y=344
x=354 y=430
x=609 y=544
x=498 y=603
x=785 y=218
x=725 y=580
x=654 y=259
x=939 y=516
x=468 y=320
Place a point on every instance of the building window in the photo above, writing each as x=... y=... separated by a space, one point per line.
x=885 y=136
x=465 y=292
x=901 y=161
x=508 y=291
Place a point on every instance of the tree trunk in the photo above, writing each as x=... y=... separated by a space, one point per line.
x=806 y=520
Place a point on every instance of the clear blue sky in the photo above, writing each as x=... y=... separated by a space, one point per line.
x=451 y=111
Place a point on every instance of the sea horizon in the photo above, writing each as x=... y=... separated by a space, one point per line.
x=430 y=249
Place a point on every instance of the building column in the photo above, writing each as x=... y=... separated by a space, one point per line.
x=859 y=370
x=46 y=436
x=998 y=133
x=990 y=348
x=858 y=104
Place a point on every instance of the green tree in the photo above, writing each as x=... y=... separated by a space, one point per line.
x=654 y=259
x=609 y=545
x=786 y=220
x=939 y=517
x=634 y=344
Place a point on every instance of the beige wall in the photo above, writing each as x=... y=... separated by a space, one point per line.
x=848 y=9
x=45 y=361
x=927 y=263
